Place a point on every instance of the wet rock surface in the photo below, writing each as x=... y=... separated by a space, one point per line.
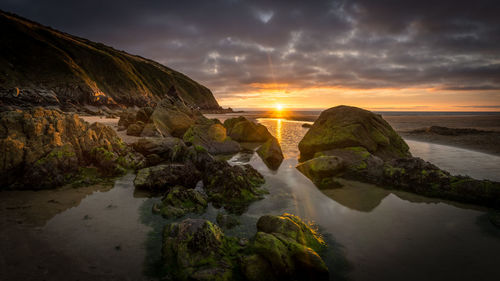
x=179 y=201
x=44 y=148
x=162 y=177
x=271 y=153
x=284 y=248
x=243 y=130
x=359 y=156
x=212 y=137
x=346 y=126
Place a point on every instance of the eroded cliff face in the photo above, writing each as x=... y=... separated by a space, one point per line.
x=42 y=66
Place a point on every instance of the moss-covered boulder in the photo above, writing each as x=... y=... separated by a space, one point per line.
x=322 y=169
x=243 y=130
x=196 y=249
x=285 y=248
x=270 y=152
x=179 y=201
x=346 y=126
x=212 y=137
x=163 y=177
x=232 y=187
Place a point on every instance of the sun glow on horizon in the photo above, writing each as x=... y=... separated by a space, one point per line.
x=279 y=107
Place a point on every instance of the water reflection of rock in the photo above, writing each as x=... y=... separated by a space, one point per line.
x=37 y=207
x=357 y=196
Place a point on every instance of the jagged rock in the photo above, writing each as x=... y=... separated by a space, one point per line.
x=346 y=126
x=232 y=187
x=242 y=130
x=162 y=177
x=179 y=201
x=196 y=249
x=54 y=138
x=271 y=153
x=135 y=129
x=212 y=137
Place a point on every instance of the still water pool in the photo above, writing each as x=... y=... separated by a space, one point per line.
x=373 y=233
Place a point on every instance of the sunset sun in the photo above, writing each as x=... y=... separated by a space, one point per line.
x=279 y=107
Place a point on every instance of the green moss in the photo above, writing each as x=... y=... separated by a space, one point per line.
x=199 y=148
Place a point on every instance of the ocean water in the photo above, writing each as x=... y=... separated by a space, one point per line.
x=373 y=233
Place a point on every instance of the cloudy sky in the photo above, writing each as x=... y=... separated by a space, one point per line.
x=381 y=55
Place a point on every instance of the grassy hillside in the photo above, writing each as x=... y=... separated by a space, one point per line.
x=39 y=65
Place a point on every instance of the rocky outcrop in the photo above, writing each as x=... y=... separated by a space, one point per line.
x=43 y=148
x=169 y=148
x=211 y=137
x=242 y=130
x=360 y=157
x=179 y=201
x=70 y=72
x=284 y=248
x=345 y=126
x=271 y=153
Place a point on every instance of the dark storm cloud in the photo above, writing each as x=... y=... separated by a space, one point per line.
x=230 y=44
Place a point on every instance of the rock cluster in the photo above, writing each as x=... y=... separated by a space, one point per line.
x=244 y=130
x=43 y=148
x=284 y=248
x=356 y=144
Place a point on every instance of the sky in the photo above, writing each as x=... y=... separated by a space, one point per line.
x=417 y=55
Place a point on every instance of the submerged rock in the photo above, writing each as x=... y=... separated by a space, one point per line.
x=346 y=126
x=212 y=137
x=162 y=177
x=179 y=201
x=271 y=153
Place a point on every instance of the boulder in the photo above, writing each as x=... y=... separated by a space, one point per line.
x=143 y=114
x=135 y=129
x=126 y=118
x=212 y=137
x=346 y=126
x=150 y=130
x=285 y=249
x=271 y=153
x=196 y=249
x=321 y=170
x=179 y=201
x=168 y=148
x=232 y=187
x=163 y=177
x=172 y=116
x=242 y=130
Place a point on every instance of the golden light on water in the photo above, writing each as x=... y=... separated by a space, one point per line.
x=278 y=130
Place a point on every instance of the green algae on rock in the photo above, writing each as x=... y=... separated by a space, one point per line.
x=346 y=126
x=196 y=249
x=212 y=137
x=44 y=148
x=282 y=249
x=270 y=152
x=243 y=130
x=163 y=177
x=179 y=201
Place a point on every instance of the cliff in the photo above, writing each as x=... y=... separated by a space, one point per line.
x=42 y=66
